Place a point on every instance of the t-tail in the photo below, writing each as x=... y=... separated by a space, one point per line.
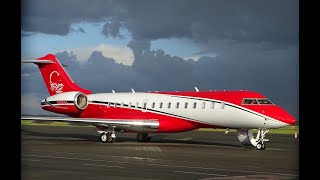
x=55 y=77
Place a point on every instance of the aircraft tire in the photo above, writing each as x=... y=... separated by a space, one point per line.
x=143 y=137
x=104 y=137
x=112 y=140
x=260 y=146
x=140 y=137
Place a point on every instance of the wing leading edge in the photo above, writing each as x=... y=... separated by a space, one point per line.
x=139 y=125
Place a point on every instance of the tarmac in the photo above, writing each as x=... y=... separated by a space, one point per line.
x=76 y=153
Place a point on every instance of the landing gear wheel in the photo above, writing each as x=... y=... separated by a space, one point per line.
x=143 y=137
x=112 y=140
x=140 y=137
x=260 y=146
x=105 y=137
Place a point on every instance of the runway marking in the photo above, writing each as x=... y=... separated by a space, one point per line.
x=249 y=177
x=30 y=159
x=102 y=165
x=50 y=143
x=199 y=173
x=274 y=149
x=164 y=165
x=184 y=139
x=125 y=157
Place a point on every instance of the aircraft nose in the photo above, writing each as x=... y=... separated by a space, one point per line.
x=287 y=118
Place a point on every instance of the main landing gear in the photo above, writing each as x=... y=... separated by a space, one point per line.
x=260 y=139
x=108 y=136
x=143 y=137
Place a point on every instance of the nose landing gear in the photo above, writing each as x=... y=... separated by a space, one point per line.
x=108 y=136
x=260 y=139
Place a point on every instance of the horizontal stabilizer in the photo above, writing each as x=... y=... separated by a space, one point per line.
x=37 y=61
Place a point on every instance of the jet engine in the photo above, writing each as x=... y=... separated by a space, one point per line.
x=246 y=137
x=80 y=101
x=66 y=103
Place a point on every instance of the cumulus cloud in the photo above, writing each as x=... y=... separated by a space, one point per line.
x=122 y=55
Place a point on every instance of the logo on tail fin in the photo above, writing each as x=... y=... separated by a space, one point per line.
x=55 y=86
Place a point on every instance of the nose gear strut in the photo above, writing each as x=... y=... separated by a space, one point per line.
x=260 y=139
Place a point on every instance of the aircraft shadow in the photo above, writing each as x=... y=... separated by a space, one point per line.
x=156 y=139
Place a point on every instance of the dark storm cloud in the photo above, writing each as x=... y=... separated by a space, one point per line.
x=204 y=20
x=78 y=30
x=112 y=28
x=55 y=17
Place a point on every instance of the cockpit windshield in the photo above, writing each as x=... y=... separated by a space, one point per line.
x=256 y=101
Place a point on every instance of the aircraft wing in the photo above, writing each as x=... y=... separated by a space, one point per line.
x=141 y=125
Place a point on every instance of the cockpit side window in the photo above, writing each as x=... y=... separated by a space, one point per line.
x=247 y=101
x=264 y=101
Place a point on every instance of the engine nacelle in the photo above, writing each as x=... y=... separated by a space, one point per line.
x=246 y=137
x=66 y=103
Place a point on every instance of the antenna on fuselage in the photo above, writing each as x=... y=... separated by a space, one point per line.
x=196 y=89
x=133 y=91
x=113 y=91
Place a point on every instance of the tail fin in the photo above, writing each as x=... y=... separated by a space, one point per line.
x=55 y=77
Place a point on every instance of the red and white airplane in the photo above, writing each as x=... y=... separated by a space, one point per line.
x=158 y=112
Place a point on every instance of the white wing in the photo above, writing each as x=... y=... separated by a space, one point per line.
x=141 y=125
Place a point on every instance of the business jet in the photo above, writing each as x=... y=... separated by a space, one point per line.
x=158 y=112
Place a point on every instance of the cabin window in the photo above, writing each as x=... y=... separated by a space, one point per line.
x=137 y=105
x=153 y=104
x=194 y=105
x=144 y=105
x=177 y=106
x=122 y=105
x=169 y=104
x=222 y=105
x=160 y=106
x=186 y=105
x=203 y=105
x=129 y=105
x=212 y=105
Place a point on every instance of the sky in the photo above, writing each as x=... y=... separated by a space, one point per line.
x=164 y=45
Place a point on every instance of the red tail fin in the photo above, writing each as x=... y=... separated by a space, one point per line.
x=56 y=78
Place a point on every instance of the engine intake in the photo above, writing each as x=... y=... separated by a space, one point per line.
x=246 y=137
x=81 y=101
x=66 y=103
